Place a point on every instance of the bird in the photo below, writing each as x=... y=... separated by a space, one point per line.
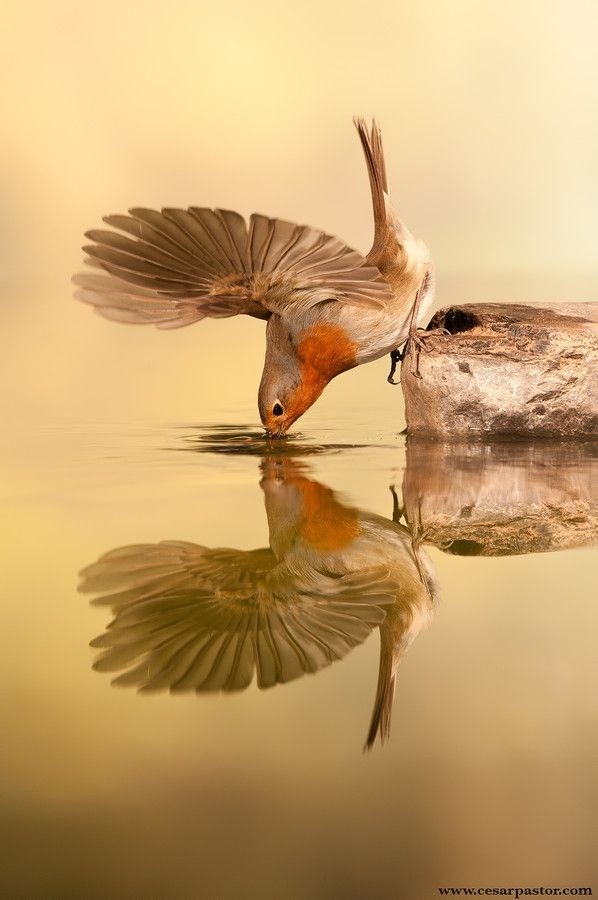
x=193 y=618
x=327 y=307
x=412 y=611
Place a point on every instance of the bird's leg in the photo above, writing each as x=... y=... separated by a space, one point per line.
x=417 y=532
x=416 y=335
x=397 y=356
x=413 y=335
x=419 y=335
x=418 y=537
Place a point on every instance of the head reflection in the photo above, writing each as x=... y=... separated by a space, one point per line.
x=194 y=618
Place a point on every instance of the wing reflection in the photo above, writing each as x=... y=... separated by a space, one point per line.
x=193 y=618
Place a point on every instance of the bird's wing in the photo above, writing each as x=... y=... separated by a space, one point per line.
x=177 y=266
x=134 y=573
x=190 y=618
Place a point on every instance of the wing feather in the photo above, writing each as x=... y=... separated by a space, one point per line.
x=143 y=250
x=173 y=243
x=177 y=266
x=190 y=618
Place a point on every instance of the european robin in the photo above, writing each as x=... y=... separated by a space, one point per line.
x=327 y=307
x=194 y=618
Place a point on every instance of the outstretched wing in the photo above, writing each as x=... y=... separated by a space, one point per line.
x=177 y=266
x=188 y=618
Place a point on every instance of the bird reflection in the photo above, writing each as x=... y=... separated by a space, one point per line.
x=193 y=618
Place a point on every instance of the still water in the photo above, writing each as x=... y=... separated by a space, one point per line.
x=205 y=632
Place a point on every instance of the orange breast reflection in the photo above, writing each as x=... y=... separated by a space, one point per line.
x=326 y=524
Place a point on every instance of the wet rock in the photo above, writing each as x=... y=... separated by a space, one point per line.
x=502 y=498
x=506 y=369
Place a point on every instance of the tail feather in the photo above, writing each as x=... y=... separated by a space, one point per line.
x=385 y=692
x=371 y=141
x=394 y=248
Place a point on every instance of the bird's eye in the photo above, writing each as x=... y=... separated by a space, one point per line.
x=278 y=410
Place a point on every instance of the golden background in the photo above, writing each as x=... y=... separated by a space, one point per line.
x=489 y=113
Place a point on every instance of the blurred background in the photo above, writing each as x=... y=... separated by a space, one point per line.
x=489 y=114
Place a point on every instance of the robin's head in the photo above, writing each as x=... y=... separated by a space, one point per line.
x=287 y=388
x=297 y=368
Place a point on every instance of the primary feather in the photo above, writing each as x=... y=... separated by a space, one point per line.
x=191 y=618
x=175 y=267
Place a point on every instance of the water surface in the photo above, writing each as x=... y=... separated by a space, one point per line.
x=247 y=604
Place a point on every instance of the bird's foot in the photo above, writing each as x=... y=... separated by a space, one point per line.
x=419 y=336
x=398 y=510
x=395 y=358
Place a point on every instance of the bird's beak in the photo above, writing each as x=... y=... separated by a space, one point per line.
x=276 y=427
x=276 y=433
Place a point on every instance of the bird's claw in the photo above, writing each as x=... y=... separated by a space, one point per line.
x=397 y=509
x=419 y=340
x=395 y=358
x=417 y=336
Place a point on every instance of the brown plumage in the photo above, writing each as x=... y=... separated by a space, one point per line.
x=328 y=308
x=194 y=618
x=411 y=612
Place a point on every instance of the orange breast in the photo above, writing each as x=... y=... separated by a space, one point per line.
x=326 y=524
x=324 y=351
x=327 y=350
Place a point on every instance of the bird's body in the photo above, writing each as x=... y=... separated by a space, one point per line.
x=190 y=617
x=328 y=308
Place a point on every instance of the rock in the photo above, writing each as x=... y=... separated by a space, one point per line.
x=506 y=369
x=502 y=498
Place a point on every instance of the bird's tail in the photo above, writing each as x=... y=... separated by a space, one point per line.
x=371 y=141
x=385 y=691
x=394 y=246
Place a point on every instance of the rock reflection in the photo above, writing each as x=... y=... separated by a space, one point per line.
x=192 y=618
x=502 y=498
